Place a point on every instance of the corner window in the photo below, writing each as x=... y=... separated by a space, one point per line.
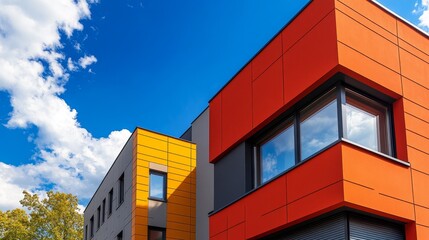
x=155 y=233
x=121 y=190
x=341 y=113
x=157 y=185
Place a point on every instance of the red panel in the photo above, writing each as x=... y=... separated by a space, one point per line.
x=215 y=128
x=236 y=213
x=267 y=57
x=218 y=223
x=306 y=20
x=220 y=236
x=236 y=108
x=317 y=173
x=265 y=208
x=268 y=93
x=237 y=232
x=310 y=59
x=399 y=126
x=316 y=203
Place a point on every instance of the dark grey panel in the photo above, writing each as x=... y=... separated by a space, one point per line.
x=187 y=135
x=373 y=229
x=232 y=176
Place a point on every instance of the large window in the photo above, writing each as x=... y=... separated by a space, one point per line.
x=156 y=233
x=157 y=185
x=341 y=113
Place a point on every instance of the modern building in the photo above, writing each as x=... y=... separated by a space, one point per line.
x=322 y=135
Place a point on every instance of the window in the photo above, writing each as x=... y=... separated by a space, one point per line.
x=110 y=201
x=121 y=190
x=91 y=226
x=157 y=185
x=341 y=113
x=98 y=217
x=103 y=211
x=119 y=236
x=86 y=232
x=156 y=233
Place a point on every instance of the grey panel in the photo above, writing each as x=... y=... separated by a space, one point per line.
x=204 y=204
x=187 y=135
x=157 y=214
x=373 y=229
x=232 y=176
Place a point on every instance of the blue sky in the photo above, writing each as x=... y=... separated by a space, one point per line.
x=70 y=98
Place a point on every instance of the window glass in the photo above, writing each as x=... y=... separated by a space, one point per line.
x=366 y=122
x=119 y=236
x=98 y=217
x=103 y=211
x=121 y=189
x=110 y=201
x=156 y=233
x=157 y=185
x=91 y=226
x=278 y=153
x=318 y=125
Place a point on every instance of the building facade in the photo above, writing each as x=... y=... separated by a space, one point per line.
x=323 y=134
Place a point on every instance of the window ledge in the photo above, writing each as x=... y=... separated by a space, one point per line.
x=402 y=162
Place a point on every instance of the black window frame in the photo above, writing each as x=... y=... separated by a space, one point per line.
x=159 y=229
x=164 y=186
x=110 y=206
x=98 y=217
x=86 y=232
x=121 y=191
x=339 y=89
x=103 y=211
x=91 y=227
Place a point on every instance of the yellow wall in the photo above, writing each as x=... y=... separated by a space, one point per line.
x=180 y=158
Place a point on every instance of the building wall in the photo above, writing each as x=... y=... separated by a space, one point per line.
x=120 y=219
x=380 y=52
x=178 y=159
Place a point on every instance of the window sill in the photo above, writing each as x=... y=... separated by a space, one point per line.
x=157 y=199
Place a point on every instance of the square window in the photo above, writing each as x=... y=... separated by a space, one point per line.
x=157 y=185
x=156 y=233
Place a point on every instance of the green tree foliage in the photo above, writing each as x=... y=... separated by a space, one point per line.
x=53 y=218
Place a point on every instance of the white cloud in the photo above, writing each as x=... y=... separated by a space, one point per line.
x=70 y=65
x=86 y=61
x=68 y=157
x=423 y=9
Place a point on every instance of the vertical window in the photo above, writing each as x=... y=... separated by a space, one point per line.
x=91 y=226
x=155 y=233
x=366 y=122
x=86 y=232
x=103 y=211
x=98 y=217
x=110 y=201
x=277 y=154
x=318 y=125
x=157 y=185
x=119 y=236
x=121 y=190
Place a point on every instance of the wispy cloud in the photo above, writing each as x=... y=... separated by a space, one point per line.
x=87 y=60
x=422 y=9
x=68 y=157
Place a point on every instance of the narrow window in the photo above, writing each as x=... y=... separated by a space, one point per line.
x=119 y=236
x=98 y=217
x=277 y=154
x=86 y=232
x=366 y=122
x=121 y=189
x=156 y=233
x=318 y=125
x=91 y=226
x=157 y=185
x=103 y=211
x=110 y=201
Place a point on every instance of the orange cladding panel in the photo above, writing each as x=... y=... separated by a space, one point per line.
x=310 y=59
x=268 y=92
x=215 y=128
x=399 y=127
x=236 y=108
x=422 y=232
x=415 y=68
x=421 y=187
x=266 y=57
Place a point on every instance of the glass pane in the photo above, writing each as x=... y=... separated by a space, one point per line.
x=319 y=125
x=277 y=154
x=156 y=234
x=156 y=185
x=366 y=122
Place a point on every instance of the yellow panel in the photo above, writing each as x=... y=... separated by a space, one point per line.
x=141 y=203
x=179 y=218
x=181 y=166
x=179 y=142
x=141 y=212
x=179 y=200
x=179 y=185
x=194 y=146
x=178 y=226
x=178 y=171
x=152 y=134
x=152 y=142
x=177 y=234
x=178 y=209
x=141 y=221
x=142 y=171
x=175 y=192
x=141 y=195
x=180 y=150
x=151 y=152
x=147 y=159
x=178 y=177
x=140 y=229
x=142 y=179
x=172 y=157
x=194 y=153
x=141 y=187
